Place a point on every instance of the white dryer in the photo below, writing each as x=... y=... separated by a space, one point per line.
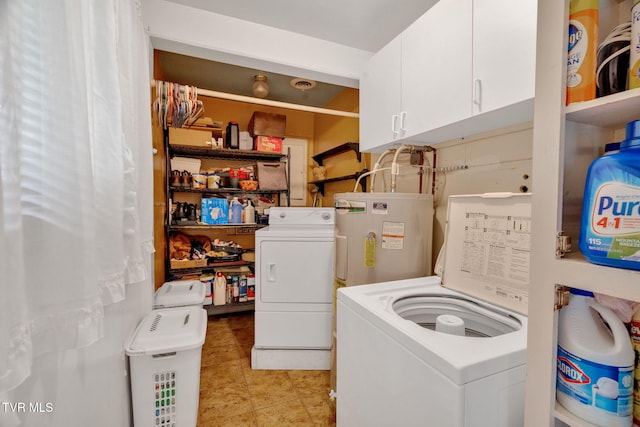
x=295 y=258
x=450 y=351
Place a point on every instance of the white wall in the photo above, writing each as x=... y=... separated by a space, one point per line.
x=196 y=32
x=495 y=161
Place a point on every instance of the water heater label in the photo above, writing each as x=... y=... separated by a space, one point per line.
x=379 y=208
x=392 y=235
x=350 y=206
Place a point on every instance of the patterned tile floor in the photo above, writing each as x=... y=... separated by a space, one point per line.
x=232 y=394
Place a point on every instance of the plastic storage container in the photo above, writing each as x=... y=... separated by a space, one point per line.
x=180 y=293
x=595 y=362
x=164 y=356
x=610 y=227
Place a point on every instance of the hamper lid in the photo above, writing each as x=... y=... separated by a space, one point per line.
x=167 y=330
x=180 y=293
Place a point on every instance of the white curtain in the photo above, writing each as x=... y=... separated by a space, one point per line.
x=75 y=207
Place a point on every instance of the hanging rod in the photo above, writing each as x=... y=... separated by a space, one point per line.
x=279 y=104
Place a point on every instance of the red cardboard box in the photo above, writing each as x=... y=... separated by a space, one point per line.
x=268 y=143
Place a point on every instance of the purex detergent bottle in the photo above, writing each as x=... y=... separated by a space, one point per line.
x=610 y=226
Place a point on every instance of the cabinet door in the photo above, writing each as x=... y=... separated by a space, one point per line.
x=436 y=67
x=504 y=52
x=380 y=98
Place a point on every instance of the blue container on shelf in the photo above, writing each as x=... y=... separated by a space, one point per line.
x=214 y=210
x=610 y=226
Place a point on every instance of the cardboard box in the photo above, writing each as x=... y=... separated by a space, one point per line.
x=190 y=137
x=188 y=263
x=267 y=143
x=267 y=124
x=214 y=210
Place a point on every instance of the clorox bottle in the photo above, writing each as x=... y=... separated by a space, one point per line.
x=610 y=225
x=595 y=363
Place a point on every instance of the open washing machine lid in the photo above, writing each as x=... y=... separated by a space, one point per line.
x=487 y=248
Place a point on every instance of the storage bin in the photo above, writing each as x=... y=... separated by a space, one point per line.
x=180 y=293
x=164 y=358
x=272 y=175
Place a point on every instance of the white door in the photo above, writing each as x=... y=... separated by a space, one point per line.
x=380 y=91
x=298 y=161
x=436 y=67
x=296 y=271
x=504 y=52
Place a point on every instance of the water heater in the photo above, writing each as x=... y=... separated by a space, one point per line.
x=382 y=237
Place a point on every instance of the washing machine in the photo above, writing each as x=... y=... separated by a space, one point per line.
x=448 y=350
x=295 y=258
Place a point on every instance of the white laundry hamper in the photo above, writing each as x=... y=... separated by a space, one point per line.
x=164 y=357
x=180 y=293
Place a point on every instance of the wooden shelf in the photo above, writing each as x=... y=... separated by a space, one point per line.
x=224 y=153
x=214 y=310
x=613 y=110
x=343 y=148
x=222 y=190
x=209 y=267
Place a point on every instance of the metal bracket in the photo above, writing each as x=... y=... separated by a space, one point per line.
x=563 y=244
x=562 y=297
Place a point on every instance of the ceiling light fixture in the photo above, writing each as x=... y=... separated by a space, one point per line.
x=260 y=86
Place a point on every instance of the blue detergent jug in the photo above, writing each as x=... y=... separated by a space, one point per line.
x=610 y=226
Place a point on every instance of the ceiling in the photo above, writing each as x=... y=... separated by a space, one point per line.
x=361 y=24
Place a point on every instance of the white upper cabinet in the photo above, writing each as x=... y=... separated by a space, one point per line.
x=436 y=67
x=504 y=53
x=464 y=67
x=380 y=93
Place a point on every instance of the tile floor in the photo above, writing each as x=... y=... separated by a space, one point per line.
x=232 y=394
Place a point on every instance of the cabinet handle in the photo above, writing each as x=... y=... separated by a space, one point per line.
x=477 y=92
x=394 y=120
x=403 y=114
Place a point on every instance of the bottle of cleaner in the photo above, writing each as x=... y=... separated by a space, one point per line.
x=235 y=211
x=610 y=225
x=219 y=289
x=595 y=362
x=635 y=341
x=249 y=213
x=582 y=50
x=634 y=54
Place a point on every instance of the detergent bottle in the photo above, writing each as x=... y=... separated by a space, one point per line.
x=219 y=289
x=610 y=225
x=249 y=213
x=595 y=362
x=235 y=211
